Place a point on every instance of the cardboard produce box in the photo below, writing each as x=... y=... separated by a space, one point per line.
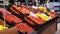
x=12 y=30
x=1 y=22
x=9 y=31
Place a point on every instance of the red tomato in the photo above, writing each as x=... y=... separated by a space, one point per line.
x=3 y=11
x=36 y=19
x=11 y=18
x=23 y=27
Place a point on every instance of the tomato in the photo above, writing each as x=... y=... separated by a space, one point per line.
x=23 y=27
x=11 y=18
x=36 y=19
x=4 y=12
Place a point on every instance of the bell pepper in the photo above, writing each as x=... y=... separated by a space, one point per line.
x=52 y=14
x=43 y=9
x=43 y=16
x=3 y=27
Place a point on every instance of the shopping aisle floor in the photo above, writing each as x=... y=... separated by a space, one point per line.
x=58 y=29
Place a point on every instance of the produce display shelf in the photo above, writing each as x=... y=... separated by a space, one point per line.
x=49 y=26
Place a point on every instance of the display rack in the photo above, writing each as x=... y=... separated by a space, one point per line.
x=48 y=27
